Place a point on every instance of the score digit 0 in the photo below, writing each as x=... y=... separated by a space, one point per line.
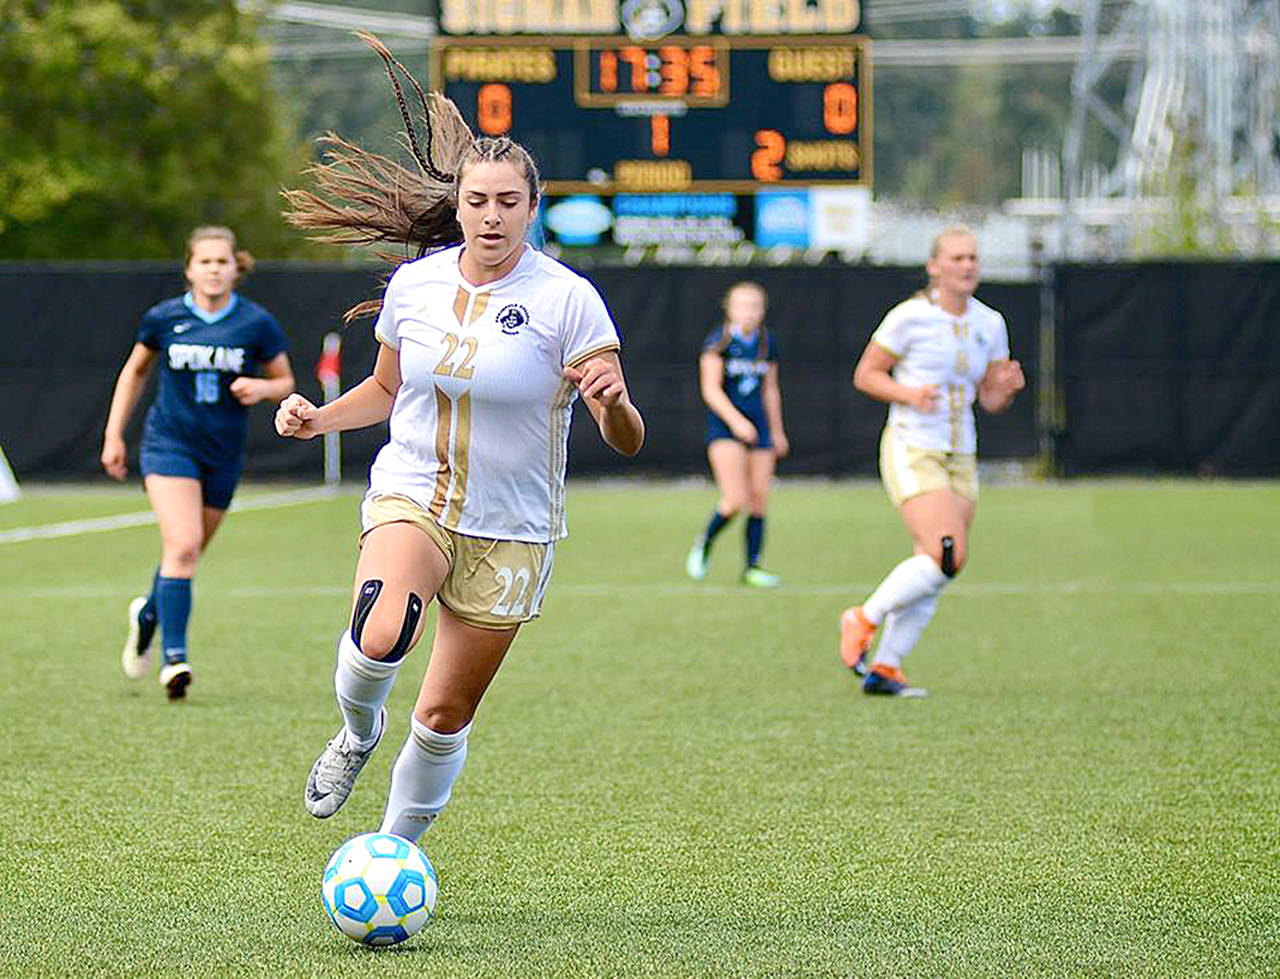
x=840 y=108
x=493 y=109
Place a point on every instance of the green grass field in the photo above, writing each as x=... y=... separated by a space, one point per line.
x=678 y=779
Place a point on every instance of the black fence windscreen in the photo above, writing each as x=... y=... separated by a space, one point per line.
x=70 y=329
x=1169 y=368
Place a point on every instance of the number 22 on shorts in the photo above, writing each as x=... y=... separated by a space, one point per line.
x=515 y=585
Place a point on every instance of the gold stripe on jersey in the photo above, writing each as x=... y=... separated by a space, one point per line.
x=460 y=305
x=961 y=329
x=559 y=452
x=957 y=413
x=444 y=419
x=478 y=306
x=887 y=349
x=591 y=353
x=461 y=453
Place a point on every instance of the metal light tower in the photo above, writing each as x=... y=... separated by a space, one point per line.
x=1201 y=104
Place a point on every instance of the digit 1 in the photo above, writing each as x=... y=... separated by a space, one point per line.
x=660 y=135
x=608 y=71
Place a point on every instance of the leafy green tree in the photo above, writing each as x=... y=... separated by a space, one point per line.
x=127 y=122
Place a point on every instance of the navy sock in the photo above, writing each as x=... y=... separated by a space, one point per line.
x=713 y=526
x=755 y=540
x=148 y=612
x=173 y=602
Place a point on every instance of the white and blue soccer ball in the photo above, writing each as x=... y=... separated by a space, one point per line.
x=379 y=889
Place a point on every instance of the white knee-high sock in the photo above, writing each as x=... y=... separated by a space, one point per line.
x=911 y=579
x=362 y=685
x=422 y=779
x=903 y=628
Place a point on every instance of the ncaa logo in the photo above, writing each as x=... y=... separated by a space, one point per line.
x=511 y=317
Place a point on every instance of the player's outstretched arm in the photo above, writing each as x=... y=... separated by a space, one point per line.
x=604 y=391
x=368 y=403
x=711 y=387
x=772 y=395
x=129 y=385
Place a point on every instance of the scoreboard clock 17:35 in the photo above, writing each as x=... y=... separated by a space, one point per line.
x=713 y=113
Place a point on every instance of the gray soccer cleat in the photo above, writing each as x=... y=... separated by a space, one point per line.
x=333 y=776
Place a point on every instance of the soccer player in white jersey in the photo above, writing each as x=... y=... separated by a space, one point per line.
x=930 y=358
x=484 y=345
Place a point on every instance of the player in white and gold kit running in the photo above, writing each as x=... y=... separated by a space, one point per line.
x=483 y=348
x=931 y=357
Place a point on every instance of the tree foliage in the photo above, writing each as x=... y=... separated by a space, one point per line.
x=127 y=122
x=948 y=136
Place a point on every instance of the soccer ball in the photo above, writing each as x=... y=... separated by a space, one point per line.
x=379 y=889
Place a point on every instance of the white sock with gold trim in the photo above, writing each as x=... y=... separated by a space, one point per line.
x=422 y=779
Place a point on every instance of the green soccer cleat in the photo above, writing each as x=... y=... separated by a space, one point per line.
x=760 y=578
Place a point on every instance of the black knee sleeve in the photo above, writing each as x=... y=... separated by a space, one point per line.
x=369 y=593
x=412 y=613
x=949 y=557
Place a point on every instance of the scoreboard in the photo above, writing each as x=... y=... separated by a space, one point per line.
x=684 y=114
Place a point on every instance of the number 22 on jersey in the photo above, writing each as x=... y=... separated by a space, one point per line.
x=462 y=369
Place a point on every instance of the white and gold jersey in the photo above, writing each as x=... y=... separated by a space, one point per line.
x=480 y=425
x=951 y=352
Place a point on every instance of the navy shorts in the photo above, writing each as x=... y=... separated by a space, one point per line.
x=717 y=429
x=161 y=457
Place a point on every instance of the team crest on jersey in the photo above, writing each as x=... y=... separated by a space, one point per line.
x=511 y=317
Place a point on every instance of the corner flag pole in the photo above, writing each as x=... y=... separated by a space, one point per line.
x=8 y=485
x=329 y=374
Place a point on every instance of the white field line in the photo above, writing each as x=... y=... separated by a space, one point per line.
x=850 y=591
x=140 y=518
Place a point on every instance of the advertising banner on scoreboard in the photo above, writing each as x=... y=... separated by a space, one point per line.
x=644 y=220
x=822 y=218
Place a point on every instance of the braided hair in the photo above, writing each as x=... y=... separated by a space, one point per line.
x=365 y=198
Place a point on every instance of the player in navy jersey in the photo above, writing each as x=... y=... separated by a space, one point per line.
x=211 y=345
x=738 y=377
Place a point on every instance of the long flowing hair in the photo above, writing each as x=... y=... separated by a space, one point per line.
x=365 y=198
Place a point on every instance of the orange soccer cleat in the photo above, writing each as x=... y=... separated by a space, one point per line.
x=856 y=633
x=885 y=679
